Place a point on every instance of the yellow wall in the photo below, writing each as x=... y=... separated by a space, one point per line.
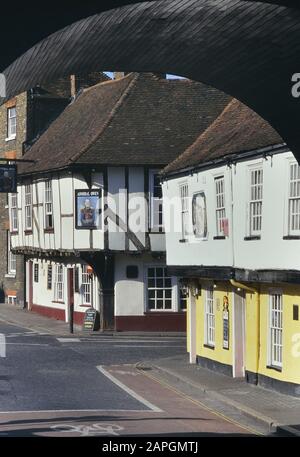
x=218 y=353
x=291 y=329
x=252 y=331
x=188 y=332
x=256 y=330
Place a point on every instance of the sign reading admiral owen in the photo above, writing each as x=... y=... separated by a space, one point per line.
x=87 y=204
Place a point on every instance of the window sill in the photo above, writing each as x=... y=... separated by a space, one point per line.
x=156 y=232
x=10 y=275
x=58 y=301
x=11 y=138
x=219 y=237
x=291 y=237
x=183 y=241
x=49 y=230
x=162 y=311
x=27 y=232
x=85 y=306
x=14 y=233
x=209 y=346
x=252 y=238
x=272 y=367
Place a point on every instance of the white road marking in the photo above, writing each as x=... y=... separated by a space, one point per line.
x=143 y=346
x=69 y=340
x=28 y=344
x=125 y=340
x=66 y=340
x=129 y=391
x=16 y=335
x=89 y=430
x=42 y=411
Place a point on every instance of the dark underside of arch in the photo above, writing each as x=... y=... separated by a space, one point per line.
x=246 y=48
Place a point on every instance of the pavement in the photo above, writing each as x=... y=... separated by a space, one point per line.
x=279 y=413
x=16 y=315
x=259 y=408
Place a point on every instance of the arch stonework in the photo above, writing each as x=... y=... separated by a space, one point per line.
x=247 y=49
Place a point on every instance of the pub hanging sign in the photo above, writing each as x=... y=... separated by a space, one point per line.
x=225 y=322
x=87 y=205
x=8 y=179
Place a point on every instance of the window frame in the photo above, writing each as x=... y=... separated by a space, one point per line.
x=13 y=212
x=275 y=348
x=28 y=207
x=10 y=123
x=36 y=271
x=59 y=283
x=255 y=202
x=153 y=201
x=209 y=317
x=11 y=258
x=155 y=289
x=86 y=288
x=48 y=202
x=291 y=231
x=184 y=210
x=220 y=209
x=49 y=276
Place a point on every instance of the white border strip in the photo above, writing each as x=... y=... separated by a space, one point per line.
x=38 y=411
x=129 y=391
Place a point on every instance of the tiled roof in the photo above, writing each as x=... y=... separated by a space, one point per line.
x=238 y=129
x=140 y=119
x=61 y=87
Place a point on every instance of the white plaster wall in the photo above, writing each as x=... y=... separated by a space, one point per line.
x=44 y=297
x=65 y=235
x=271 y=251
x=137 y=210
x=116 y=183
x=130 y=294
x=196 y=251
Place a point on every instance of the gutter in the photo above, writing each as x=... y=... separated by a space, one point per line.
x=228 y=159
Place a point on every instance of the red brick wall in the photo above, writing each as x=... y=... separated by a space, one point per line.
x=152 y=322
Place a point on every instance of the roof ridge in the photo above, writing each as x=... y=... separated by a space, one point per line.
x=115 y=109
x=109 y=81
x=204 y=134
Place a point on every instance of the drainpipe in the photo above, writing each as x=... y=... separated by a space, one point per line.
x=256 y=292
x=232 y=216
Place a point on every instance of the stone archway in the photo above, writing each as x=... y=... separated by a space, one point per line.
x=248 y=49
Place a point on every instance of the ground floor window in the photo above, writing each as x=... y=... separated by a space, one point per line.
x=275 y=330
x=86 y=286
x=36 y=272
x=159 y=289
x=49 y=277
x=11 y=258
x=209 y=317
x=59 y=283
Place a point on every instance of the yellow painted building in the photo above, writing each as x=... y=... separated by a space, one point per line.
x=237 y=247
x=260 y=340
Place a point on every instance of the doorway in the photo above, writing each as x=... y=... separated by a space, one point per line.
x=70 y=304
x=239 y=335
x=30 y=285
